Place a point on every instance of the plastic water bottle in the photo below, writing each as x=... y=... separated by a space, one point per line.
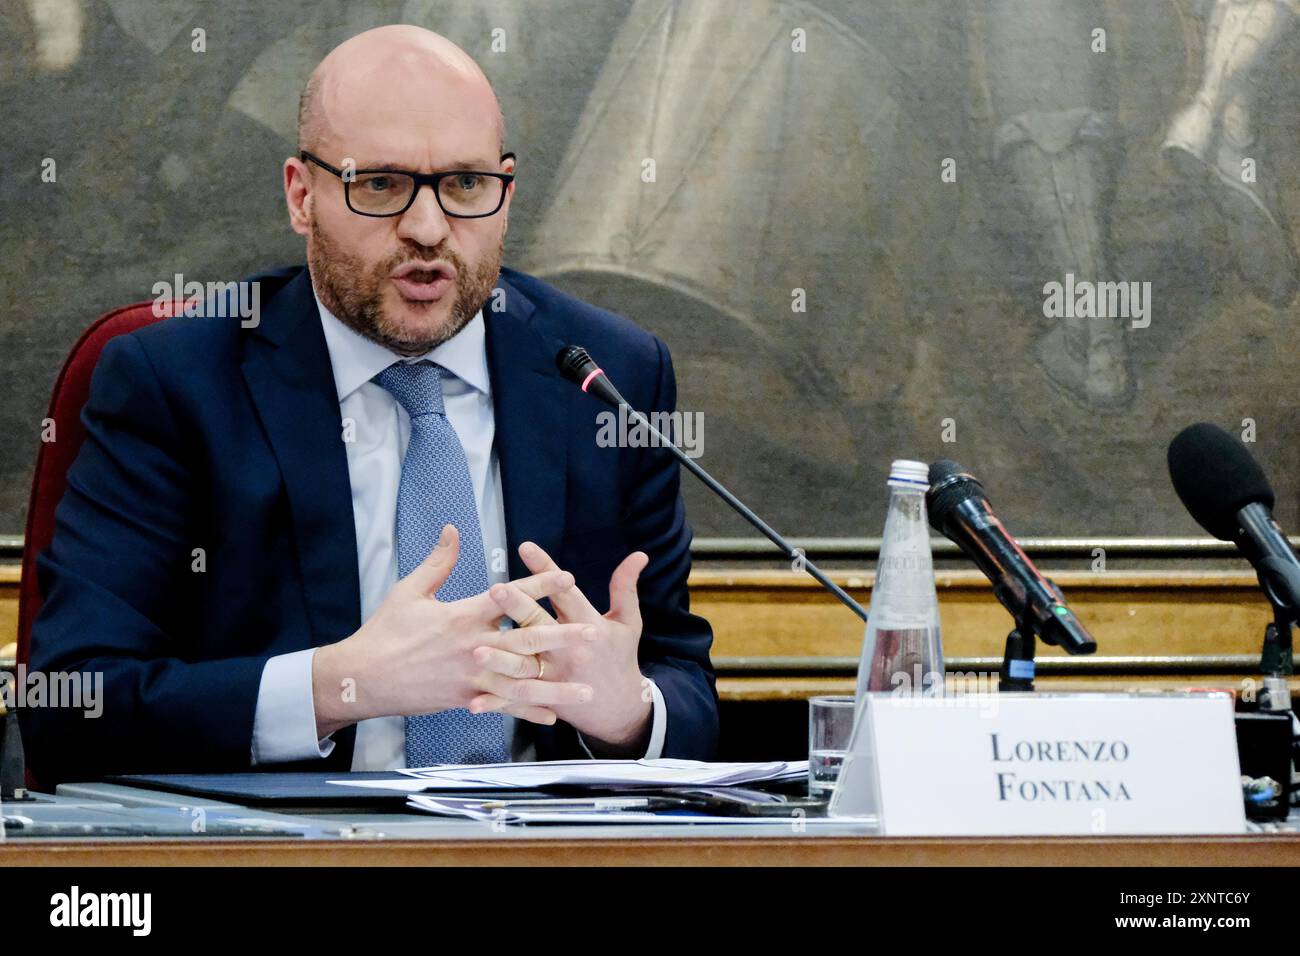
x=902 y=655
x=902 y=651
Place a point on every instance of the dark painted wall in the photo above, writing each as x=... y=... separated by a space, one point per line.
x=796 y=146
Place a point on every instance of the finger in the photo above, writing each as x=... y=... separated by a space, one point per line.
x=484 y=608
x=572 y=603
x=535 y=692
x=530 y=641
x=545 y=583
x=624 y=606
x=431 y=573
x=518 y=606
x=486 y=703
x=507 y=664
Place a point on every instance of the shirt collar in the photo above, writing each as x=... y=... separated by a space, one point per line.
x=357 y=359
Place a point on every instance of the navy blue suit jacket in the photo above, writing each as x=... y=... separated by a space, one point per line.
x=204 y=434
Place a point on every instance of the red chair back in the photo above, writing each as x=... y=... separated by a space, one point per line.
x=71 y=390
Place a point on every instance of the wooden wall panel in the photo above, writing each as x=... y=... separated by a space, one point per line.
x=756 y=613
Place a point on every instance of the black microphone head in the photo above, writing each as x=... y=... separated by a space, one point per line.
x=1215 y=477
x=581 y=369
x=574 y=363
x=950 y=485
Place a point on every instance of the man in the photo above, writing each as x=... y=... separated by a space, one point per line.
x=390 y=444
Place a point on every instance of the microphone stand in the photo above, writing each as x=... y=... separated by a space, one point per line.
x=1017 y=673
x=1280 y=582
x=1276 y=663
x=13 y=772
x=1276 y=660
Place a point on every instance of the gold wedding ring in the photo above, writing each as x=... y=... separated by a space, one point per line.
x=541 y=668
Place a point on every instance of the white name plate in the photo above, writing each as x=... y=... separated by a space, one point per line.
x=1057 y=764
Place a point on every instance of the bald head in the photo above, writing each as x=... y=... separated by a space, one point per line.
x=397 y=76
x=400 y=98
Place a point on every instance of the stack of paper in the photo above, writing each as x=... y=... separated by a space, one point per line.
x=599 y=811
x=664 y=772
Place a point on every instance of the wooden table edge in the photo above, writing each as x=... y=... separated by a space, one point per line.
x=1282 y=849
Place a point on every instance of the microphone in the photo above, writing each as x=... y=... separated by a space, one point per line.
x=1225 y=490
x=580 y=368
x=959 y=509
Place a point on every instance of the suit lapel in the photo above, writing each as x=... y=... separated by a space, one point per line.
x=531 y=404
x=288 y=372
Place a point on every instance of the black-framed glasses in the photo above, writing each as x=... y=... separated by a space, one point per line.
x=462 y=193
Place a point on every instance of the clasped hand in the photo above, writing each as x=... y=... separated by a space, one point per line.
x=418 y=655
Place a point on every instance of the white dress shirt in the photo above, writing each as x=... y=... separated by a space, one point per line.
x=376 y=431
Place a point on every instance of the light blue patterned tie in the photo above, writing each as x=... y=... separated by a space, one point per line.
x=436 y=490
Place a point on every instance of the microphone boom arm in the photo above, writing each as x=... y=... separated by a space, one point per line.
x=581 y=369
x=739 y=507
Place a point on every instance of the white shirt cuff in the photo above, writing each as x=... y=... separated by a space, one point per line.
x=284 y=724
x=658 y=726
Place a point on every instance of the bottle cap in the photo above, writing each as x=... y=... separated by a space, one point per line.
x=909 y=474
